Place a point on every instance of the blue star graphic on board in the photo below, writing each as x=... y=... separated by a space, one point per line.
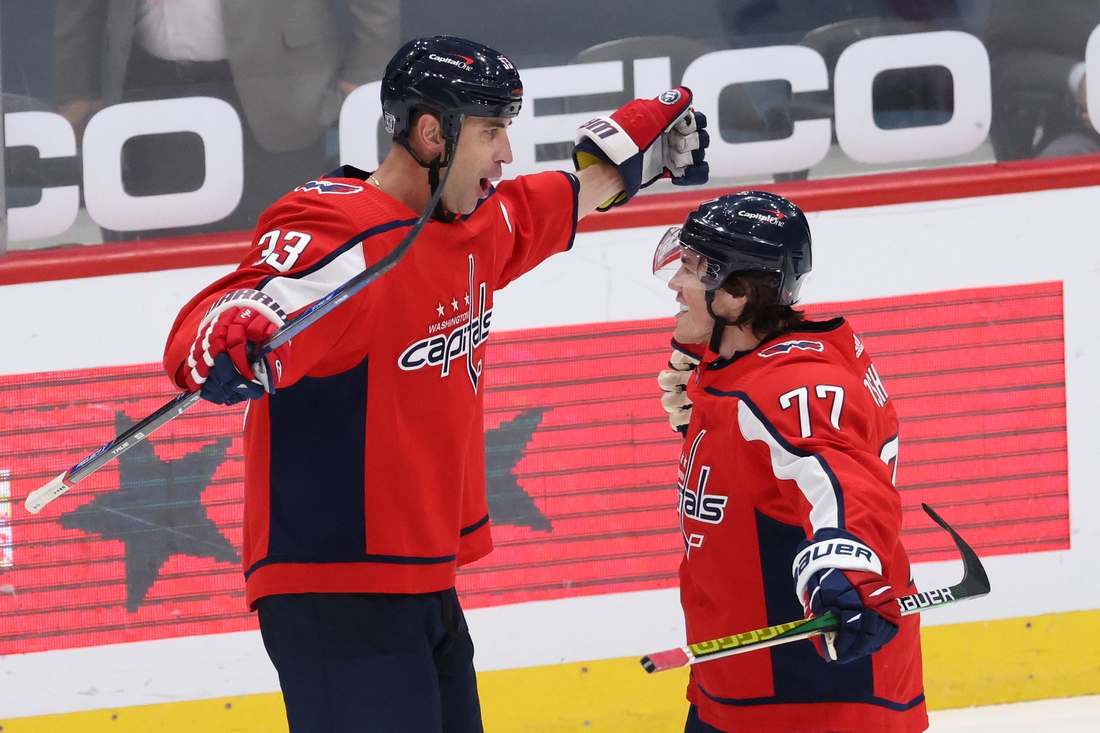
x=504 y=445
x=156 y=512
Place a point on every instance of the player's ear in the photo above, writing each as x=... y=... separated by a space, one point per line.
x=429 y=135
x=729 y=306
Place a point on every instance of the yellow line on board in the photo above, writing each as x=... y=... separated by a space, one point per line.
x=246 y=714
x=987 y=663
x=966 y=664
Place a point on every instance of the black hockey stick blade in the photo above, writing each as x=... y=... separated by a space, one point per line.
x=179 y=404
x=974 y=584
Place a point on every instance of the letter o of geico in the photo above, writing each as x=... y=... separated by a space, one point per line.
x=853 y=83
x=213 y=120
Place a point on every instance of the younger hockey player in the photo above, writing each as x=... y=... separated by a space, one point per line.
x=365 y=447
x=786 y=496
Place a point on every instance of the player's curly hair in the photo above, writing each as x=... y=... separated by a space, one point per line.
x=767 y=318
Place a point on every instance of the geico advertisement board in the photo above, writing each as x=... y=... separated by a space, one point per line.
x=219 y=126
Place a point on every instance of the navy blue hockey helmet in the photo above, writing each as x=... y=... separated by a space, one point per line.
x=751 y=230
x=453 y=78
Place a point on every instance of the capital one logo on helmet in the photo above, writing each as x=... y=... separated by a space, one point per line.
x=463 y=62
x=770 y=217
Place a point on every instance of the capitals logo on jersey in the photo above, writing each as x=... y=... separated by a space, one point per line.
x=695 y=503
x=323 y=187
x=461 y=341
x=788 y=346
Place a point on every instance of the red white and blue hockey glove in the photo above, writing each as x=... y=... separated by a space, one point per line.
x=673 y=381
x=218 y=363
x=839 y=573
x=645 y=140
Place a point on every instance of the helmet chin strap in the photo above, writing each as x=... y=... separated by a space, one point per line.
x=720 y=323
x=433 y=166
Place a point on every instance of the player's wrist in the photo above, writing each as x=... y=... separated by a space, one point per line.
x=599 y=184
x=832 y=549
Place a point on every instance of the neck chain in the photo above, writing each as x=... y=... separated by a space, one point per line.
x=372 y=179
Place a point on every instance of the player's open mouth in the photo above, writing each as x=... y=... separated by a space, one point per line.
x=484 y=185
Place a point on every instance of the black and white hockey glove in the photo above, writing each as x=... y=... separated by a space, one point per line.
x=673 y=382
x=645 y=140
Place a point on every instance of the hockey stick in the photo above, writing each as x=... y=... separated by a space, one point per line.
x=179 y=404
x=974 y=584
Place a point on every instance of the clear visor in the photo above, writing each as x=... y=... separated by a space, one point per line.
x=673 y=258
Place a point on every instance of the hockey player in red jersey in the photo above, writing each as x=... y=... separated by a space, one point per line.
x=786 y=496
x=364 y=445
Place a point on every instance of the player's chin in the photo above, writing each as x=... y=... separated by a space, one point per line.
x=462 y=205
x=685 y=334
x=691 y=330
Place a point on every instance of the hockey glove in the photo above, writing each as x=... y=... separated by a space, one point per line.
x=673 y=382
x=646 y=140
x=839 y=573
x=218 y=363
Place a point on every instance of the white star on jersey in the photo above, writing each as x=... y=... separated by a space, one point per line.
x=454 y=303
x=439 y=309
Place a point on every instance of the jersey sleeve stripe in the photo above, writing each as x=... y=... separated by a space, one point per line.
x=338 y=251
x=299 y=289
x=576 y=184
x=293 y=293
x=809 y=471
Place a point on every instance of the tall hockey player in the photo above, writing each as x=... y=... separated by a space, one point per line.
x=364 y=446
x=786 y=496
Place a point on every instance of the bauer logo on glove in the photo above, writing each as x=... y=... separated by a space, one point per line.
x=646 y=140
x=219 y=365
x=839 y=574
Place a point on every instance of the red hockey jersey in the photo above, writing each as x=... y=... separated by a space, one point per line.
x=365 y=471
x=792 y=437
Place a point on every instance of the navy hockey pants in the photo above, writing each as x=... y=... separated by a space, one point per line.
x=358 y=662
x=694 y=725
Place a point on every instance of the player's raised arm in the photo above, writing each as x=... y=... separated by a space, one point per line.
x=642 y=142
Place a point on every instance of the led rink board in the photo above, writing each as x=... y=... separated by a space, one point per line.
x=581 y=467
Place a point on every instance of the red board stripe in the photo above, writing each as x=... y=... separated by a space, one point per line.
x=667 y=209
x=977 y=377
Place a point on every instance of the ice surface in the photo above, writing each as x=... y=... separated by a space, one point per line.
x=1066 y=715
